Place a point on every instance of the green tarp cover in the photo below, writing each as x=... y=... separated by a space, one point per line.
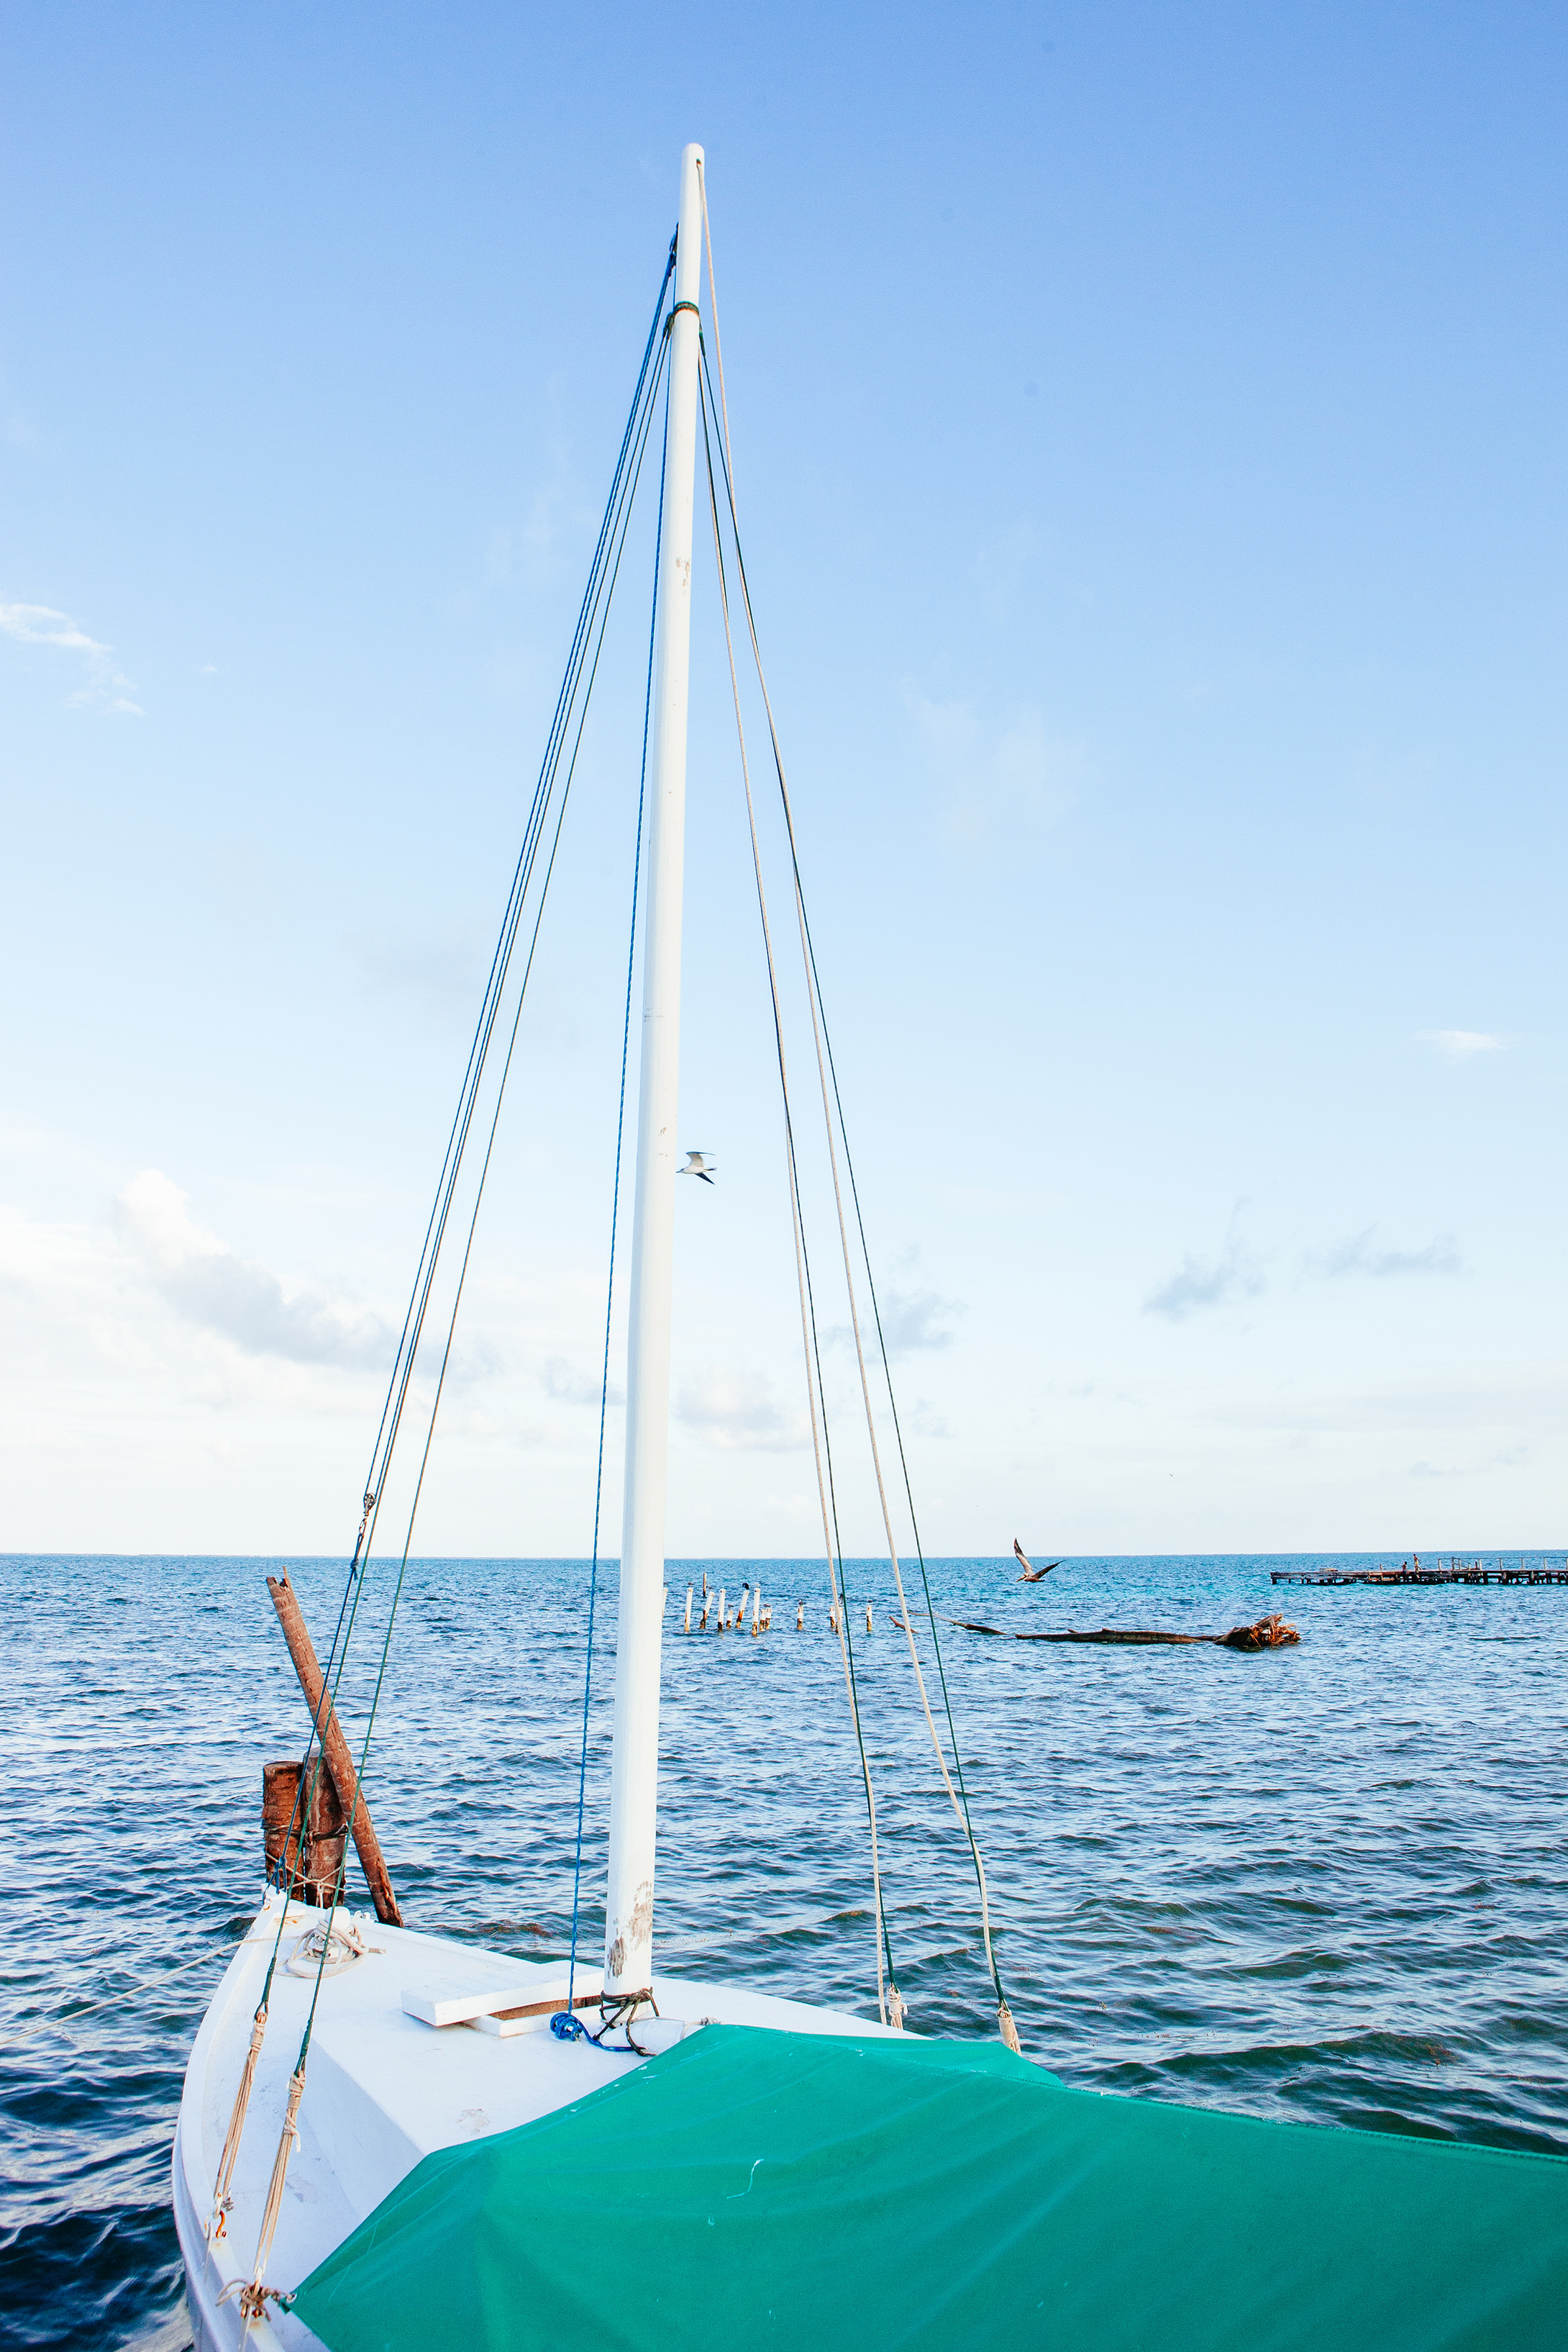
x=783 y=2190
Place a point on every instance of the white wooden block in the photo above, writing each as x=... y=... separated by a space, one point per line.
x=507 y=2026
x=442 y=2005
x=451 y=2003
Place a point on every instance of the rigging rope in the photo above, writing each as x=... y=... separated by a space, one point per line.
x=609 y=1283
x=559 y=723
x=959 y=1795
x=595 y=607
x=435 y=1233
x=888 y=1998
x=576 y=691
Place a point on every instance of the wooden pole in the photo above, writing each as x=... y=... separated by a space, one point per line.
x=334 y=1747
x=308 y=1859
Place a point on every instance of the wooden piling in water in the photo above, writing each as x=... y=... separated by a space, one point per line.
x=309 y=1871
x=334 y=1747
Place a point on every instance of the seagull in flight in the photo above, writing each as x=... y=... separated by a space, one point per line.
x=699 y=1164
x=1031 y=1575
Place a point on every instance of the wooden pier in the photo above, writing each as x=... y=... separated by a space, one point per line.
x=1459 y=1571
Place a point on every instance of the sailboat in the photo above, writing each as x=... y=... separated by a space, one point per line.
x=395 y=2140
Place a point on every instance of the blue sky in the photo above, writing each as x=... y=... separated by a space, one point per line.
x=1148 y=426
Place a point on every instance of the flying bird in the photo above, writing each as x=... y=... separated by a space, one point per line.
x=1031 y=1575
x=699 y=1164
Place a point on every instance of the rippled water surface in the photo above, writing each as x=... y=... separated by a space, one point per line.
x=1326 y=1882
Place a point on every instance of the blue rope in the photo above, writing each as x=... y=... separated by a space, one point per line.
x=566 y=2026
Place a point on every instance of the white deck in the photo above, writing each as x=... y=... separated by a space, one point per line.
x=381 y=2091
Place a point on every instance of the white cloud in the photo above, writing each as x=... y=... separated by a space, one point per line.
x=1465 y=1407
x=998 y=1201
x=567 y=1387
x=1462 y=1045
x=445 y=973
x=37 y=625
x=126 y=1423
x=910 y=1320
x=108 y=688
x=916 y=1318
x=1011 y=774
x=72 y=1269
x=1198 y=1282
x=737 y=1412
x=1357 y=1255
x=235 y=1299
x=160 y=1389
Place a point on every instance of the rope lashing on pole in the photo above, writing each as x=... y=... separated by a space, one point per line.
x=831 y=1106
x=253 y=2296
x=222 y=2202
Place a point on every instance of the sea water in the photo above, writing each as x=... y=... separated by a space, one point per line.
x=1326 y=1882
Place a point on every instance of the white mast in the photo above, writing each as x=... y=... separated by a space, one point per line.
x=629 y=1907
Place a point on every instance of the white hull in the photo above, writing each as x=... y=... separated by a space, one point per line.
x=381 y=2091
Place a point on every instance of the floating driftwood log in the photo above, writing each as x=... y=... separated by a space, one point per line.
x=1268 y=1633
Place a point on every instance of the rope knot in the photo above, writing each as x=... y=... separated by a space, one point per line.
x=254 y=2298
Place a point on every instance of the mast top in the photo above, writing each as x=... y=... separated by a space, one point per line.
x=689 y=231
